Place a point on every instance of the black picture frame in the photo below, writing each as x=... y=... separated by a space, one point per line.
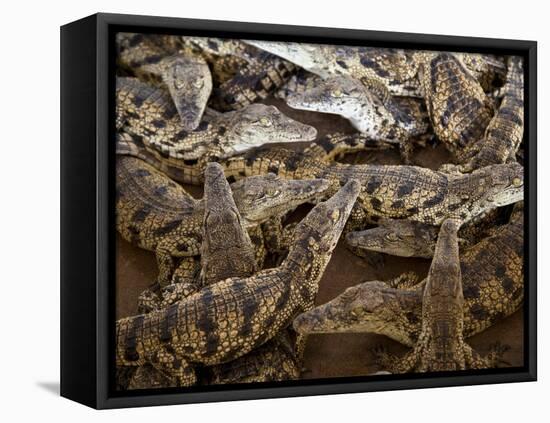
x=87 y=209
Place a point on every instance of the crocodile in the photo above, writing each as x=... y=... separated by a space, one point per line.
x=243 y=74
x=186 y=77
x=226 y=249
x=440 y=345
x=458 y=107
x=406 y=238
x=393 y=68
x=378 y=117
x=492 y=283
x=149 y=112
x=157 y=214
x=388 y=191
x=321 y=152
x=504 y=133
x=397 y=69
x=232 y=317
x=226 y=252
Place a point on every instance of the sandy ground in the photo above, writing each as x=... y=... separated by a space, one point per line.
x=336 y=354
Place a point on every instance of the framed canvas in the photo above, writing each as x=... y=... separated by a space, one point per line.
x=257 y=211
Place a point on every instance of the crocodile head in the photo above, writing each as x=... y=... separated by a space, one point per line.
x=316 y=236
x=189 y=82
x=261 y=197
x=402 y=238
x=368 y=106
x=226 y=249
x=337 y=94
x=368 y=307
x=307 y=56
x=259 y=124
x=491 y=186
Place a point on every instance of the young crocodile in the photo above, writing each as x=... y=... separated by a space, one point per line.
x=396 y=69
x=226 y=252
x=378 y=117
x=243 y=74
x=440 y=345
x=492 y=280
x=155 y=213
x=186 y=76
x=319 y=154
x=406 y=238
x=149 y=112
x=458 y=107
x=411 y=192
x=226 y=249
x=232 y=317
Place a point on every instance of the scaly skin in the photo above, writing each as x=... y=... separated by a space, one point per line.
x=487 y=69
x=427 y=196
x=376 y=117
x=458 y=107
x=397 y=70
x=440 y=345
x=232 y=317
x=394 y=69
x=504 y=133
x=148 y=112
x=226 y=250
x=243 y=74
x=406 y=238
x=410 y=192
x=492 y=280
x=258 y=162
x=155 y=213
x=186 y=77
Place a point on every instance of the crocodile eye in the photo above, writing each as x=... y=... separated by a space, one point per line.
x=264 y=121
x=516 y=182
x=336 y=93
x=199 y=83
x=391 y=236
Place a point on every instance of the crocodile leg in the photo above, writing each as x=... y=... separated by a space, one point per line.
x=407 y=280
x=273 y=234
x=176 y=371
x=182 y=285
x=165 y=262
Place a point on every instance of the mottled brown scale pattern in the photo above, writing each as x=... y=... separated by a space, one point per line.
x=407 y=238
x=440 y=345
x=256 y=81
x=458 y=107
x=149 y=113
x=377 y=116
x=155 y=213
x=504 y=133
x=242 y=73
x=226 y=250
x=230 y=318
x=492 y=285
x=272 y=362
x=186 y=77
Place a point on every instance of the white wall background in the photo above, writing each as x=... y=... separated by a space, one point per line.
x=29 y=198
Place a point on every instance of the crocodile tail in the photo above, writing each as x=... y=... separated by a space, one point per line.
x=504 y=133
x=255 y=82
x=331 y=146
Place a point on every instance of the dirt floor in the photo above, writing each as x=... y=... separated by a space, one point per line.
x=337 y=354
